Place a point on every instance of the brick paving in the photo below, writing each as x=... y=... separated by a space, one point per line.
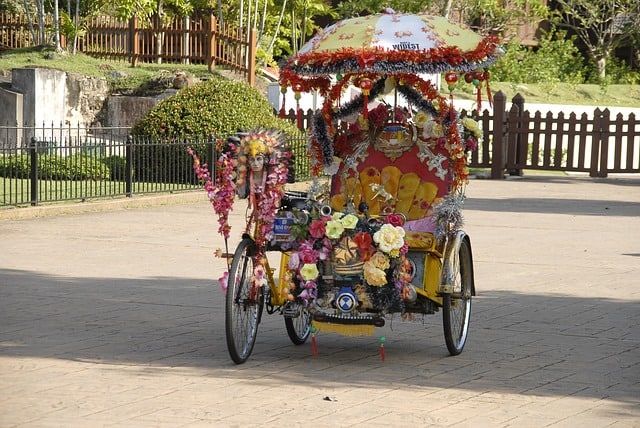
x=112 y=319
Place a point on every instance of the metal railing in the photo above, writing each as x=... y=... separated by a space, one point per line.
x=52 y=164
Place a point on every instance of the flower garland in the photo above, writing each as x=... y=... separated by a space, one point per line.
x=222 y=193
x=381 y=60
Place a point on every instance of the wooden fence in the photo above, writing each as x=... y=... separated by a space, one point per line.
x=195 y=40
x=516 y=139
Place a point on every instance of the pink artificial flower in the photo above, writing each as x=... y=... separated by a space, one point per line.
x=294 y=261
x=442 y=141
x=404 y=249
x=317 y=229
x=223 y=281
x=307 y=253
x=471 y=144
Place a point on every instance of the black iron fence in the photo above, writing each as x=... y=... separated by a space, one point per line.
x=51 y=164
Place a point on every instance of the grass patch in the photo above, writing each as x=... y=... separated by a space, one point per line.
x=120 y=75
x=563 y=93
x=16 y=191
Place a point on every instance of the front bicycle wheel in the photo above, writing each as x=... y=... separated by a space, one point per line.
x=456 y=306
x=243 y=304
x=299 y=327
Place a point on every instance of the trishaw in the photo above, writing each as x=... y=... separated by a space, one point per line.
x=382 y=236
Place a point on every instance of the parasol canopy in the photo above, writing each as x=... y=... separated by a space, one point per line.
x=394 y=43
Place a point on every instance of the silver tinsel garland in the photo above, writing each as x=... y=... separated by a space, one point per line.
x=448 y=214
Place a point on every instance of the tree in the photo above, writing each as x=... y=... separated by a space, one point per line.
x=602 y=25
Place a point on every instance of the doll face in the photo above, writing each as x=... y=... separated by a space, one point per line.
x=256 y=163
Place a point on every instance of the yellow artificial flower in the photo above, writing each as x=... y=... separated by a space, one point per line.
x=349 y=221
x=472 y=126
x=337 y=215
x=389 y=238
x=379 y=260
x=309 y=271
x=421 y=119
x=394 y=253
x=374 y=276
x=334 y=229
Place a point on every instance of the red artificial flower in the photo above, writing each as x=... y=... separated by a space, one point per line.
x=395 y=219
x=317 y=229
x=364 y=242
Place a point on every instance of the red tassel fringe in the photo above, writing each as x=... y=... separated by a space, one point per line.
x=299 y=116
x=314 y=346
x=479 y=97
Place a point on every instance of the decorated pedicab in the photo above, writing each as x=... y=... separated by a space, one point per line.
x=379 y=232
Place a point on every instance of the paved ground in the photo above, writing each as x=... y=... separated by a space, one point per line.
x=113 y=319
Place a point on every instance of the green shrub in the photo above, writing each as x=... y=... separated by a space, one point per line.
x=556 y=59
x=217 y=107
x=117 y=165
x=54 y=167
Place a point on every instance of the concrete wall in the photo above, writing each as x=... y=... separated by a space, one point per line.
x=126 y=110
x=44 y=93
x=11 y=110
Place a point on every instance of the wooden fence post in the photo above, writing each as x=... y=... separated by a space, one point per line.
x=605 y=123
x=251 y=69
x=497 y=152
x=186 y=39
x=134 y=44
x=211 y=42
x=520 y=154
x=595 y=144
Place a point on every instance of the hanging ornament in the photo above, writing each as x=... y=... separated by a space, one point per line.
x=477 y=82
x=297 y=88
x=451 y=78
x=314 y=342
x=365 y=85
x=283 y=112
x=487 y=76
x=381 y=348
x=468 y=77
x=339 y=77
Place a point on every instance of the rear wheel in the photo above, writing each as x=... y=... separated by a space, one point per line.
x=243 y=304
x=456 y=306
x=299 y=328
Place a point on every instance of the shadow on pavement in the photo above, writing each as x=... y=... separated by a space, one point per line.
x=539 y=344
x=555 y=206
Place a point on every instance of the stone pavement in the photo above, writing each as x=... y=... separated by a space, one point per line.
x=113 y=319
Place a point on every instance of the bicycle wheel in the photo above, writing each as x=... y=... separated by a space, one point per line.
x=242 y=310
x=299 y=328
x=456 y=306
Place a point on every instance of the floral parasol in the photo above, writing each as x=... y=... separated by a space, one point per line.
x=393 y=43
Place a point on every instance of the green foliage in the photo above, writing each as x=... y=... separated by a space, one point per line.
x=351 y=8
x=217 y=107
x=617 y=72
x=117 y=166
x=54 y=167
x=556 y=60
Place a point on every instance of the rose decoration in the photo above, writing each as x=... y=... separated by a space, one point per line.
x=379 y=260
x=349 y=221
x=395 y=219
x=374 y=276
x=334 y=229
x=389 y=238
x=309 y=272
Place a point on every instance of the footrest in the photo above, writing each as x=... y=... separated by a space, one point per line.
x=350 y=319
